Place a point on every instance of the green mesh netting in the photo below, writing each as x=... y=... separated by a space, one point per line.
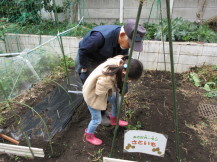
x=22 y=70
x=19 y=73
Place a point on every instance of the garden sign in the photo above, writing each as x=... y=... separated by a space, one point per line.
x=145 y=142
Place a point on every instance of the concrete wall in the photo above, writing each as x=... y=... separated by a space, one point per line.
x=191 y=9
x=109 y=10
x=186 y=54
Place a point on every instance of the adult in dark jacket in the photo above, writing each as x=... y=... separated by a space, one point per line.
x=103 y=42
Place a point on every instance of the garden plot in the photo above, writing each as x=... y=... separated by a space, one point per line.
x=147 y=107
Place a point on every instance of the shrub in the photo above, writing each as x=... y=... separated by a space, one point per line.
x=23 y=11
x=182 y=30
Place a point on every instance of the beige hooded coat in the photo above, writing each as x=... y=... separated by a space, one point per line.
x=98 y=86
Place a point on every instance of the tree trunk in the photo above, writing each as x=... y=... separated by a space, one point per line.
x=200 y=10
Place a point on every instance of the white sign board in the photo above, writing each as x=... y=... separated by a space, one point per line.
x=106 y=159
x=145 y=142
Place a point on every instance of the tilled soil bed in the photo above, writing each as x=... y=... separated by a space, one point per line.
x=149 y=102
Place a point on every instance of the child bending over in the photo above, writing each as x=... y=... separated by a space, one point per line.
x=100 y=87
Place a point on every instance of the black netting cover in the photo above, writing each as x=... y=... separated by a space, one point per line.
x=56 y=109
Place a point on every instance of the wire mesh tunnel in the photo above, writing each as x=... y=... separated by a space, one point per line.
x=21 y=71
x=56 y=109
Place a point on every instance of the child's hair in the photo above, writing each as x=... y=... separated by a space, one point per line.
x=134 y=73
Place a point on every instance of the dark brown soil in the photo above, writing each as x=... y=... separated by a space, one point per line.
x=151 y=102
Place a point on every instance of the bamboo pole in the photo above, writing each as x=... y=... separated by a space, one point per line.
x=175 y=115
x=126 y=76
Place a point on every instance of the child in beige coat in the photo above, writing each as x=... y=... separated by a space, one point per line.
x=100 y=87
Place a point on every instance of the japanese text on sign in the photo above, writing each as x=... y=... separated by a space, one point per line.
x=145 y=142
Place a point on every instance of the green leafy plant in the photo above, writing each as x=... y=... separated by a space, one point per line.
x=97 y=155
x=211 y=94
x=46 y=27
x=17 y=77
x=2 y=120
x=203 y=142
x=117 y=22
x=182 y=30
x=69 y=62
x=24 y=11
x=82 y=30
x=66 y=145
x=209 y=86
x=16 y=158
x=150 y=30
x=204 y=34
x=136 y=127
x=194 y=78
x=205 y=77
x=129 y=114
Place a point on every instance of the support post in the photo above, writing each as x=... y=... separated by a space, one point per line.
x=175 y=113
x=121 y=10
x=171 y=7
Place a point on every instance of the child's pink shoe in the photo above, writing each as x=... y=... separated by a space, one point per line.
x=92 y=139
x=121 y=122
